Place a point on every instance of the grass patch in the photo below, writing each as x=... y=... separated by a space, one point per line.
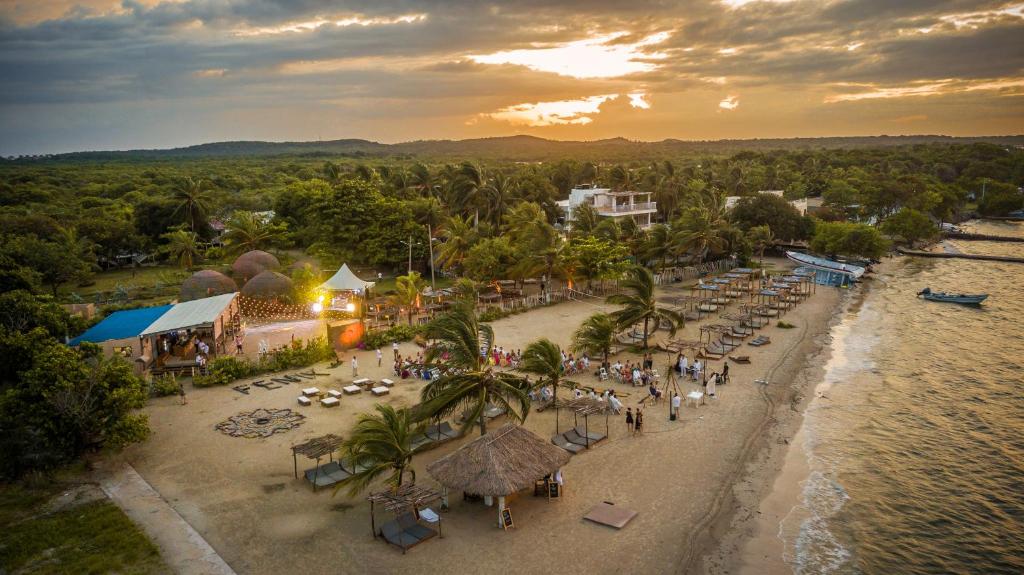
x=95 y=537
x=785 y=325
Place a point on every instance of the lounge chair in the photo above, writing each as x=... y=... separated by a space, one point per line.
x=560 y=441
x=593 y=435
x=446 y=430
x=492 y=412
x=411 y=525
x=742 y=331
x=421 y=440
x=326 y=475
x=349 y=467
x=760 y=340
x=714 y=350
x=740 y=358
x=572 y=437
x=393 y=533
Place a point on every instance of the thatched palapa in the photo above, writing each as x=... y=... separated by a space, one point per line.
x=502 y=462
x=206 y=283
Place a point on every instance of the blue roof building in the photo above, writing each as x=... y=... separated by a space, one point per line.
x=122 y=325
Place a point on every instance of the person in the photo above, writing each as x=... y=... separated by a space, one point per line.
x=677 y=402
x=638 y=425
x=355 y=367
x=394 y=350
x=698 y=367
x=238 y=344
x=655 y=393
x=614 y=403
x=711 y=383
x=629 y=419
x=181 y=392
x=684 y=365
x=725 y=375
x=380 y=357
x=636 y=376
x=380 y=276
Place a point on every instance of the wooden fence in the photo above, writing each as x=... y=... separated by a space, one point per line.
x=677 y=274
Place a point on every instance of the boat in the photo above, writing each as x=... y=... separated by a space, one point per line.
x=966 y=299
x=826 y=271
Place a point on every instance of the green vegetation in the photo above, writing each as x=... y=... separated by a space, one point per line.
x=381 y=444
x=226 y=369
x=90 y=538
x=910 y=226
x=849 y=239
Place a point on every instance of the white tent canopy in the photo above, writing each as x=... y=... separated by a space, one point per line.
x=345 y=280
x=191 y=314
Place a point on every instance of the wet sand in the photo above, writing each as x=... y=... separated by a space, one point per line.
x=240 y=494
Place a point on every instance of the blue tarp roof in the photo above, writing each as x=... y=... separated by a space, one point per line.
x=122 y=324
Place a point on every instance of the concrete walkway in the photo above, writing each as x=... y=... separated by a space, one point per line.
x=181 y=547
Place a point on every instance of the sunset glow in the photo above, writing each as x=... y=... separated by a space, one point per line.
x=598 y=57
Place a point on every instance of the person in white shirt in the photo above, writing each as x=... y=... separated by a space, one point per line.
x=355 y=367
x=677 y=402
x=615 y=404
x=697 y=368
x=380 y=357
x=712 y=382
x=683 y=365
x=394 y=350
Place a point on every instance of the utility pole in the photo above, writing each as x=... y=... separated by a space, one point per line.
x=430 y=243
x=409 y=271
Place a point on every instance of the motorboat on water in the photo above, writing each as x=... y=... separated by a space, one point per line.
x=967 y=299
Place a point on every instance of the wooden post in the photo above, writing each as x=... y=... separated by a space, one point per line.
x=373 y=524
x=501 y=507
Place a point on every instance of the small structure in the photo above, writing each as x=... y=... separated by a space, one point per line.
x=316 y=449
x=342 y=288
x=269 y=285
x=175 y=334
x=252 y=263
x=120 y=333
x=206 y=283
x=608 y=204
x=498 y=464
x=405 y=530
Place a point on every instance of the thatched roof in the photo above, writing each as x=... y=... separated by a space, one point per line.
x=206 y=283
x=250 y=264
x=502 y=462
x=268 y=285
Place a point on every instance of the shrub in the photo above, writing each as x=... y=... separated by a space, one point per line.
x=380 y=338
x=164 y=385
x=224 y=370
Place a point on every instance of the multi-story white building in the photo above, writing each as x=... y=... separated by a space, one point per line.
x=620 y=205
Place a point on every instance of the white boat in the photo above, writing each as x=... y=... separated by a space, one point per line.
x=828 y=272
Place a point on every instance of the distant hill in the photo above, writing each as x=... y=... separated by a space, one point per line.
x=523 y=148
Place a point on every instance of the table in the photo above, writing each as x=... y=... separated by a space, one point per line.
x=303 y=400
x=387 y=382
x=695 y=397
x=311 y=391
x=333 y=393
x=361 y=381
x=330 y=402
x=352 y=389
x=381 y=390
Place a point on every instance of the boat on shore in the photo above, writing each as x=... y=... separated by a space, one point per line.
x=966 y=299
x=826 y=271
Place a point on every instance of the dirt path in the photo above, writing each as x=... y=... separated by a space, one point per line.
x=181 y=547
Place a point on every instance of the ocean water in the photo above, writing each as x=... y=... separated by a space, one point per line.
x=915 y=439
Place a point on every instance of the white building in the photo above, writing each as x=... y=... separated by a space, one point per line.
x=731 y=201
x=620 y=205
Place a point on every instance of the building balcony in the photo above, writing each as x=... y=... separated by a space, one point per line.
x=637 y=208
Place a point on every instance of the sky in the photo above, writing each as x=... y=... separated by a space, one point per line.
x=101 y=74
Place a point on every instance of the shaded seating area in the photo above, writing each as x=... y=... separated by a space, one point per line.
x=580 y=437
x=405 y=530
x=503 y=462
x=317 y=448
x=434 y=435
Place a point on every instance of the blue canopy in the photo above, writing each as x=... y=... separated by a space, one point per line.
x=122 y=325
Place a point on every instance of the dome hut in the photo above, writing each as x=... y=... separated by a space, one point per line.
x=268 y=285
x=206 y=283
x=250 y=264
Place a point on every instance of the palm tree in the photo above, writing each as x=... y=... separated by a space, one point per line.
x=408 y=289
x=621 y=178
x=471 y=185
x=596 y=335
x=380 y=444
x=246 y=231
x=761 y=238
x=333 y=174
x=543 y=358
x=192 y=198
x=468 y=382
x=584 y=220
x=641 y=306
x=700 y=231
x=459 y=236
x=658 y=245
x=500 y=193
x=182 y=247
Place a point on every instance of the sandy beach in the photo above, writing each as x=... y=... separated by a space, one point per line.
x=683 y=477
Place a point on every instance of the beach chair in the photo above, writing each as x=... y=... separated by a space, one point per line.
x=446 y=430
x=326 y=475
x=411 y=525
x=759 y=341
x=560 y=441
x=392 y=533
x=593 y=436
x=572 y=437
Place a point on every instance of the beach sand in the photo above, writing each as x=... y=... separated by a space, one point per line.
x=240 y=494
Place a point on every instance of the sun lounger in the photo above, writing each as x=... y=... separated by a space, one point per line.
x=351 y=468
x=330 y=402
x=411 y=525
x=393 y=534
x=291 y=378
x=572 y=437
x=759 y=341
x=714 y=351
x=593 y=435
x=560 y=441
x=740 y=358
x=303 y=400
x=492 y=412
x=352 y=389
x=326 y=475
x=421 y=440
x=741 y=331
x=379 y=391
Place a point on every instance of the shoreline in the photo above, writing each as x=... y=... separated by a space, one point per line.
x=742 y=537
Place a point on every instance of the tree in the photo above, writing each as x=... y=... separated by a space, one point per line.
x=849 y=239
x=760 y=238
x=59 y=402
x=20 y=311
x=699 y=232
x=69 y=259
x=407 y=292
x=769 y=210
x=380 y=444
x=658 y=246
x=640 y=306
x=466 y=380
x=193 y=200
x=183 y=247
x=593 y=258
x=584 y=220
x=489 y=259
x=909 y=225
x=245 y=231
x=543 y=358
x=459 y=236
x=999 y=199
x=596 y=335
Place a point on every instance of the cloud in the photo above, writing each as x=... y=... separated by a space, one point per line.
x=729 y=103
x=574 y=112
